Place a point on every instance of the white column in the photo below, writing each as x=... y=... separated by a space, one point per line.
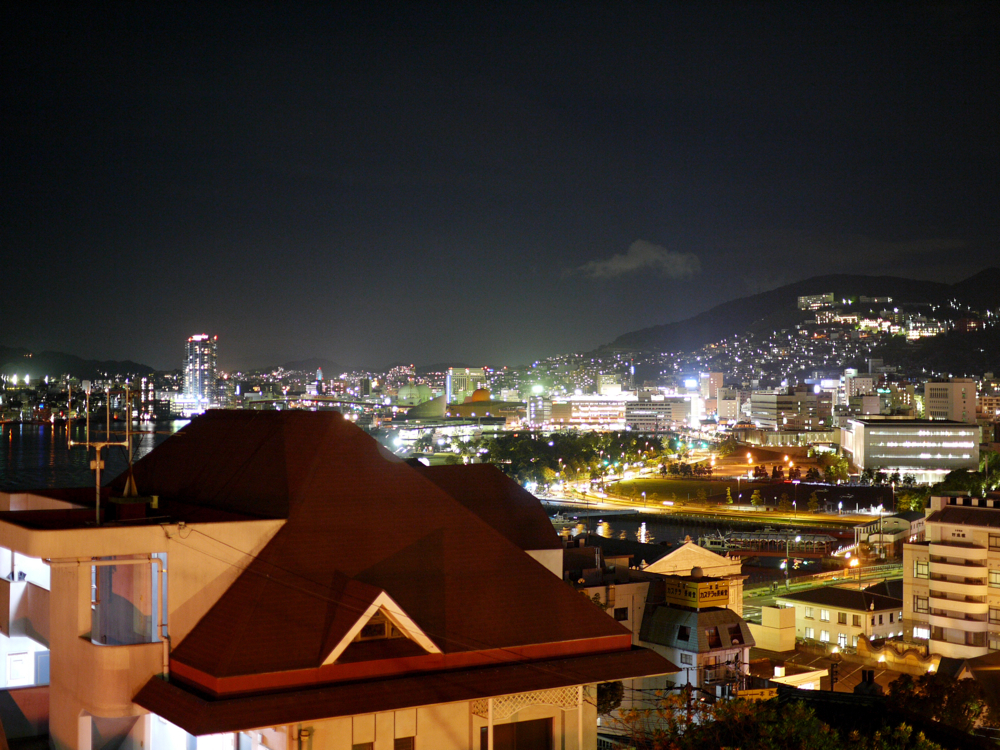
x=489 y=724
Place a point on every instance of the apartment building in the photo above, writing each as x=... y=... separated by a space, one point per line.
x=953 y=399
x=951 y=580
x=797 y=408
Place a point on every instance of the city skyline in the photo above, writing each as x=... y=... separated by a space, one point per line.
x=404 y=183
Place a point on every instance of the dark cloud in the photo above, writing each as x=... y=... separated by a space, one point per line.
x=644 y=256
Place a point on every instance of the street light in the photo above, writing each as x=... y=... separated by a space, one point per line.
x=788 y=541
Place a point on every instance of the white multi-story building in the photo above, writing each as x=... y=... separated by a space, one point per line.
x=797 y=408
x=657 y=416
x=927 y=449
x=953 y=399
x=951 y=580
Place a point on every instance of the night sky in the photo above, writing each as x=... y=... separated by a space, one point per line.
x=442 y=182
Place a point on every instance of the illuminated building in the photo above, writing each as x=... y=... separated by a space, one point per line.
x=200 y=371
x=462 y=381
x=951 y=399
x=928 y=449
x=798 y=408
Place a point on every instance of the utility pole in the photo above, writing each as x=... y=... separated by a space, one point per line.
x=97 y=463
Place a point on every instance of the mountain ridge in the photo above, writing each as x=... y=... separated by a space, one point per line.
x=777 y=308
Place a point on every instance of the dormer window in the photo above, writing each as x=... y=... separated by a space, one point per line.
x=378 y=628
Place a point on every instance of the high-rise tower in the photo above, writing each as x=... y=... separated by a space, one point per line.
x=199 y=369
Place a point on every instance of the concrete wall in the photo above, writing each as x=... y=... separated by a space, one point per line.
x=777 y=629
x=25 y=712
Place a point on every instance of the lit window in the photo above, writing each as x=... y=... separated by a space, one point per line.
x=824 y=615
x=922 y=570
x=824 y=635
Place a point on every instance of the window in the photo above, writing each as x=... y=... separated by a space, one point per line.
x=621 y=613
x=824 y=615
x=687 y=658
x=921 y=569
x=921 y=632
x=809 y=613
x=841 y=618
x=856 y=621
x=920 y=604
x=994 y=614
x=403 y=743
x=810 y=633
x=683 y=633
x=842 y=639
x=712 y=636
x=994 y=541
x=890 y=617
x=873 y=620
x=363 y=746
x=854 y=641
x=824 y=635
x=880 y=619
x=994 y=642
x=995 y=578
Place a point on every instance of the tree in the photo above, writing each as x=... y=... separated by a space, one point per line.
x=794 y=473
x=755 y=499
x=778 y=473
x=784 y=502
x=813 y=475
x=680 y=722
x=957 y=703
x=729 y=496
x=900 y=738
x=609 y=696
x=701 y=495
x=814 y=502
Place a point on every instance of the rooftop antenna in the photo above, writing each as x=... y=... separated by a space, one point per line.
x=97 y=463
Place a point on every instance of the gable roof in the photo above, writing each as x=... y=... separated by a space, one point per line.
x=833 y=596
x=688 y=555
x=359 y=521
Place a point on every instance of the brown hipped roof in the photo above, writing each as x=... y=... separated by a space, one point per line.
x=498 y=500
x=358 y=520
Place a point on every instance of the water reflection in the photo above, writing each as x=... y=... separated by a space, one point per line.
x=39 y=456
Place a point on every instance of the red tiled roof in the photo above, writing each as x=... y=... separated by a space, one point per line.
x=356 y=515
x=498 y=500
x=198 y=715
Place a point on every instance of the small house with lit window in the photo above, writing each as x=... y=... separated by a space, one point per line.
x=837 y=616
